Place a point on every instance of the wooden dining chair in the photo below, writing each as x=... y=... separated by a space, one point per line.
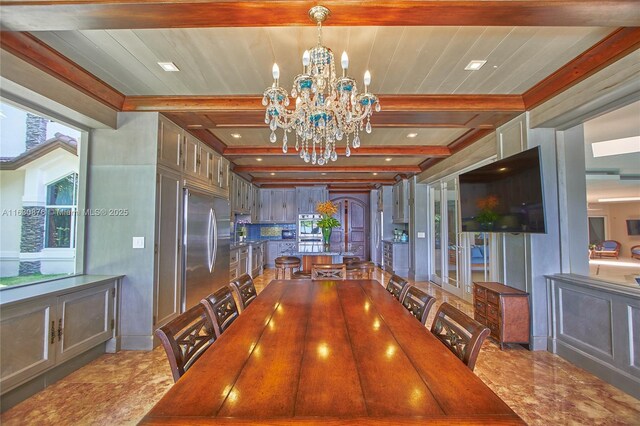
x=396 y=286
x=360 y=270
x=418 y=303
x=460 y=333
x=328 y=271
x=245 y=290
x=185 y=338
x=222 y=309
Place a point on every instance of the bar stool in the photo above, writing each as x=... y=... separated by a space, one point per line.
x=350 y=259
x=286 y=264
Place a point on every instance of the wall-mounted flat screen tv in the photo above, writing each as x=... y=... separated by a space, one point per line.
x=505 y=196
x=633 y=226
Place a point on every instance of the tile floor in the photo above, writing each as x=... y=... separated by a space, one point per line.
x=118 y=389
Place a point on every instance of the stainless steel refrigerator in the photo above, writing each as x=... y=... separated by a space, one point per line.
x=206 y=239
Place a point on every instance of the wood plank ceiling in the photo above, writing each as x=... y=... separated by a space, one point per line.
x=416 y=52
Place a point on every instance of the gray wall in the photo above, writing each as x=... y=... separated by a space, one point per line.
x=122 y=175
x=418 y=223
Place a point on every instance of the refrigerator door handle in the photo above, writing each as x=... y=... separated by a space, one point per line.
x=212 y=240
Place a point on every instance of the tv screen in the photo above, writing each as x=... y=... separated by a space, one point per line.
x=633 y=226
x=505 y=196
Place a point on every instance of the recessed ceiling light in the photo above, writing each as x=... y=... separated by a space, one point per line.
x=412 y=135
x=375 y=174
x=272 y=174
x=502 y=169
x=388 y=159
x=258 y=159
x=236 y=135
x=169 y=66
x=323 y=174
x=474 y=65
x=613 y=200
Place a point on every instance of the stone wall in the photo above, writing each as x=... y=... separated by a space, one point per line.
x=32 y=238
x=36 y=131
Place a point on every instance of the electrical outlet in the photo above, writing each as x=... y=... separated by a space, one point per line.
x=421 y=235
x=138 y=242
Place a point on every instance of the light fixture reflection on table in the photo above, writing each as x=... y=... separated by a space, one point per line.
x=323 y=350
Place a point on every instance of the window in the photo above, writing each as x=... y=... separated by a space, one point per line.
x=39 y=178
x=61 y=211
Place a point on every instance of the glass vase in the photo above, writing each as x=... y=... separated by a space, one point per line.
x=326 y=235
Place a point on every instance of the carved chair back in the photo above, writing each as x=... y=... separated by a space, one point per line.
x=222 y=308
x=418 y=303
x=328 y=271
x=244 y=289
x=396 y=286
x=360 y=270
x=185 y=338
x=460 y=333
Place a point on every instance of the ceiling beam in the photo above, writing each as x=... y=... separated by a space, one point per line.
x=396 y=151
x=310 y=181
x=204 y=104
x=457 y=145
x=54 y=15
x=35 y=52
x=616 y=45
x=326 y=169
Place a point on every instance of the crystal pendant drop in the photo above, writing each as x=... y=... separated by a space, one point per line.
x=302 y=153
x=264 y=101
x=306 y=157
x=266 y=120
x=273 y=125
x=272 y=138
x=297 y=145
x=294 y=93
x=334 y=156
x=284 y=147
x=377 y=106
x=356 y=142
x=347 y=151
x=314 y=157
x=321 y=161
x=339 y=135
x=368 y=127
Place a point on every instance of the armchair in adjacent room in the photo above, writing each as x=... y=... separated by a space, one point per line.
x=608 y=248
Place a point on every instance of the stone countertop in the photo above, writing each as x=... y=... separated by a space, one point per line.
x=392 y=241
x=319 y=249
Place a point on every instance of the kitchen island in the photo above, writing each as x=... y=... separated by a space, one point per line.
x=312 y=252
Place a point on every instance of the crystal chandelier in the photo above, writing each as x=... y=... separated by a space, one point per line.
x=327 y=109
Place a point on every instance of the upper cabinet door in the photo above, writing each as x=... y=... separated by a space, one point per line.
x=264 y=205
x=223 y=172
x=278 y=213
x=192 y=156
x=169 y=144
x=290 y=207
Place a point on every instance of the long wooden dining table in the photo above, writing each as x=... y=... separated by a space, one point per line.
x=329 y=352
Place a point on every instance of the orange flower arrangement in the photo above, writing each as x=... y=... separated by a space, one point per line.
x=327 y=208
x=486 y=205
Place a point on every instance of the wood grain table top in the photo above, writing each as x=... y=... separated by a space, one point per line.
x=335 y=352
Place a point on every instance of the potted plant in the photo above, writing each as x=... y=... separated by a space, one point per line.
x=327 y=222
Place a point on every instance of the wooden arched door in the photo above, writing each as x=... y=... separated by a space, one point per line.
x=354 y=232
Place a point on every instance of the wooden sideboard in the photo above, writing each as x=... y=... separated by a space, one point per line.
x=505 y=310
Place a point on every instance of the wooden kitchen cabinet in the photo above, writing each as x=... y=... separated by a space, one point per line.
x=504 y=309
x=308 y=197
x=42 y=332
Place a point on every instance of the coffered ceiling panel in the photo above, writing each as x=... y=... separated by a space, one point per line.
x=378 y=137
x=406 y=60
x=293 y=160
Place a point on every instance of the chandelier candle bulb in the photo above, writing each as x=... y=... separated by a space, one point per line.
x=276 y=73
